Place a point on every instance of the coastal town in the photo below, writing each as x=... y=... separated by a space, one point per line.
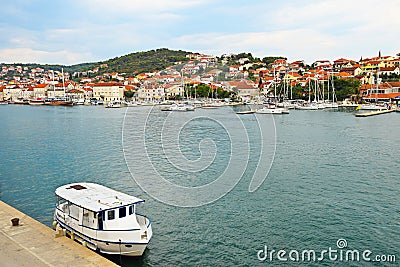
x=237 y=78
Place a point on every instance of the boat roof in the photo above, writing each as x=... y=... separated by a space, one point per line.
x=95 y=197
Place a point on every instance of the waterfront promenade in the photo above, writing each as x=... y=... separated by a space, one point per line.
x=33 y=244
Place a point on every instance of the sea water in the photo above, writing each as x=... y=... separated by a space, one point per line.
x=334 y=177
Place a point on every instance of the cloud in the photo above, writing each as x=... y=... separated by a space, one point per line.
x=102 y=29
x=138 y=7
x=261 y=44
x=27 y=55
x=334 y=13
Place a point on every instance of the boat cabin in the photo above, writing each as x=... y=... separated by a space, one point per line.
x=102 y=218
x=97 y=207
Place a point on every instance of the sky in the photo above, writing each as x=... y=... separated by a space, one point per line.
x=80 y=31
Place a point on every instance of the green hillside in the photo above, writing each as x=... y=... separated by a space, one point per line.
x=132 y=63
x=145 y=61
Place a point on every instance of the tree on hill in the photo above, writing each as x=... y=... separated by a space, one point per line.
x=346 y=87
x=204 y=90
x=145 y=61
x=270 y=60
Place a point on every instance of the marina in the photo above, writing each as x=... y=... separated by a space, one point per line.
x=199 y=133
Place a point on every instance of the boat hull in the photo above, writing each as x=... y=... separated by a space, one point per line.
x=124 y=248
x=61 y=103
x=36 y=103
x=246 y=112
x=307 y=108
x=269 y=111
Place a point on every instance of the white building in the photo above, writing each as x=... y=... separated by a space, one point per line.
x=151 y=93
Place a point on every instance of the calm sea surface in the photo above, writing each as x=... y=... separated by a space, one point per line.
x=333 y=177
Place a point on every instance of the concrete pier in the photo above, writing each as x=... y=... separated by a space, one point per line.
x=33 y=244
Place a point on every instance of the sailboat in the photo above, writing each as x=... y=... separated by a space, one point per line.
x=60 y=101
x=333 y=103
x=308 y=105
x=273 y=108
x=373 y=106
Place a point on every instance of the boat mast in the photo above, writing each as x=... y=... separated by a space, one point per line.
x=195 y=93
x=183 y=86
x=333 y=89
x=291 y=88
x=323 y=87
x=274 y=87
x=329 y=77
x=315 y=89
x=54 y=86
x=62 y=72
x=377 y=86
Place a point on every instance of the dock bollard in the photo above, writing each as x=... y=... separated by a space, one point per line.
x=15 y=221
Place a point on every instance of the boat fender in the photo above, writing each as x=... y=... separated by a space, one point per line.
x=84 y=244
x=72 y=236
x=54 y=225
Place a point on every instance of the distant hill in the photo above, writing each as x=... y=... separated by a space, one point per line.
x=145 y=61
x=132 y=63
x=72 y=68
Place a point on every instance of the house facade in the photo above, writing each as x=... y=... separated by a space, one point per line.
x=151 y=93
x=40 y=90
x=108 y=92
x=244 y=89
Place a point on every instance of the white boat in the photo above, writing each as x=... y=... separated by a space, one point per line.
x=102 y=219
x=36 y=101
x=331 y=105
x=308 y=107
x=320 y=105
x=285 y=105
x=244 y=112
x=132 y=104
x=176 y=107
x=114 y=105
x=79 y=101
x=284 y=110
x=190 y=107
x=348 y=103
x=371 y=106
x=266 y=110
x=21 y=101
x=212 y=105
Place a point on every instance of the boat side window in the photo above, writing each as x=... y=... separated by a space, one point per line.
x=88 y=217
x=131 y=209
x=111 y=215
x=73 y=211
x=63 y=205
x=122 y=212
